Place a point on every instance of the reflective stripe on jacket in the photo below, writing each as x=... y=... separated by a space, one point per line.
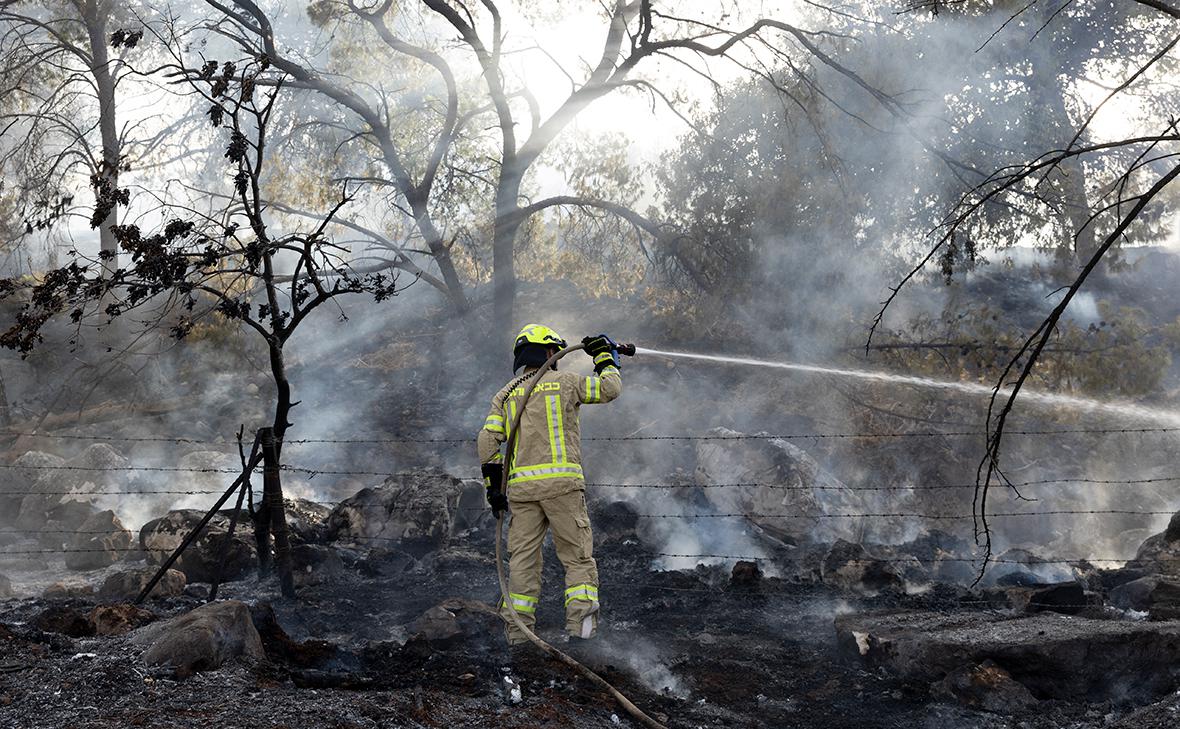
x=548 y=455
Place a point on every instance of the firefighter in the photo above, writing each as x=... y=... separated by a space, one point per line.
x=544 y=482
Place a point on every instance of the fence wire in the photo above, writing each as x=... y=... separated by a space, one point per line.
x=470 y=438
x=780 y=558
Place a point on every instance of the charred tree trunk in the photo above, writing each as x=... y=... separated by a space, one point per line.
x=1068 y=179
x=106 y=179
x=272 y=490
x=508 y=221
x=442 y=256
x=283 y=404
x=5 y=413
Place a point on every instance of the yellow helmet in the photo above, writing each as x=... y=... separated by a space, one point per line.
x=532 y=345
x=538 y=334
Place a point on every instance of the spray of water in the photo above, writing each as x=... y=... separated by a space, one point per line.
x=1127 y=411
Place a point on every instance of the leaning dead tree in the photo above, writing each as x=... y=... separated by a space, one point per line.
x=1150 y=164
x=490 y=132
x=231 y=265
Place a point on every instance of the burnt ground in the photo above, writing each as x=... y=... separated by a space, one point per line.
x=689 y=647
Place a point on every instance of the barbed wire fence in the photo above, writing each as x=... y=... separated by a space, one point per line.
x=312 y=472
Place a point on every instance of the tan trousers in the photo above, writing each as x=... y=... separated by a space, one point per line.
x=566 y=516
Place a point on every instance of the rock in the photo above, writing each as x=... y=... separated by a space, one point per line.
x=1157 y=596
x=5 y=587
x=199 y=563
x=1020 y=567
x=849 y=567
x=307 y=521
x=315 y=564
x=986 y=687
x=1108 y=580
x=71 y=515
x=99 y=455
x=202 y=639
x=745 y=574
x=119 y=619
x=1017 y=578
x=468 y=624
x=28 y=474
x=437 y=624
x=788 y=480
x=62 y=591
x=939 y=556
x=414 y=511
x=101 y=541
x=198 y=591
x=221 y=467
x=97 y=470
x=126 y=585
x=386 y=562
x=1172 y=533
x=62 y=521
x=64 y=619
x=1055 y=656
x=1158 y=555
x=1067 y=597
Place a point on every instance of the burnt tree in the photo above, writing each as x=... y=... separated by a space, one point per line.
x=230 y=264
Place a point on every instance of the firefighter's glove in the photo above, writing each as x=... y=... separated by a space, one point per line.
x=604 y=351
x=493 y=481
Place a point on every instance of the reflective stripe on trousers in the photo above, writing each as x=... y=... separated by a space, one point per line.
x=581 y=592
x=522 y=603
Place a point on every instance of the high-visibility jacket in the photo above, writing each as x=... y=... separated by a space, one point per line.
x=547 y=461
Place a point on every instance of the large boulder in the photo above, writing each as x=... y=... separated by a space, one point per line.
x=201 y=559
x=779 y=477
x=209 y=470
x=30 y=472
x=1172 y=532
x=307 y=521
x=418 y=511
x=1157 y=596
x=5 y=587
x=68 y=591
x=49 y=481
x=849 y=566
x=1054 y=655
x=201 y=640
x=101 y=541
x=126 y=585
x=1160 y=554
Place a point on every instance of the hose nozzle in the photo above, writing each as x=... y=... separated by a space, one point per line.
x=627 y=349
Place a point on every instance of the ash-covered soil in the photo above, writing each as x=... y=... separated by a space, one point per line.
x=693 y=648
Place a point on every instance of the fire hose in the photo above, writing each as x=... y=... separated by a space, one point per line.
x=594 y=678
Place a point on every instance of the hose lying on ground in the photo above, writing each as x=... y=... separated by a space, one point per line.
x=594 y=678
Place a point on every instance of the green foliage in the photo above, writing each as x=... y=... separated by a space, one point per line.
x=1121 y=355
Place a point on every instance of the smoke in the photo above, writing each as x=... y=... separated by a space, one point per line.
x=833 y=202
x=645 y=660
